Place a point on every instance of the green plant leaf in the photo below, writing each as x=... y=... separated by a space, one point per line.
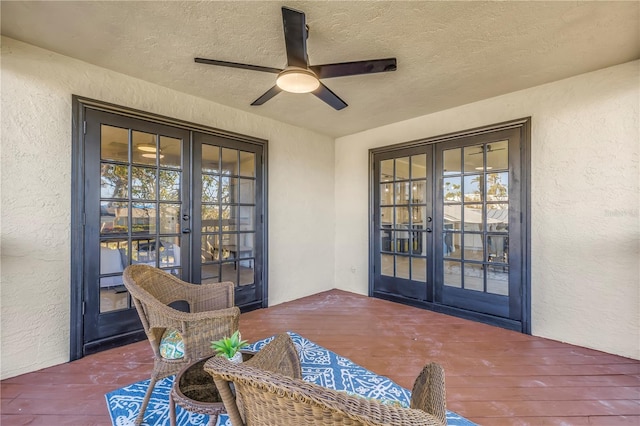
x=228 y=346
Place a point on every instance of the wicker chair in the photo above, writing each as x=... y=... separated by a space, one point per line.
x=212 y=316
x=267 y=397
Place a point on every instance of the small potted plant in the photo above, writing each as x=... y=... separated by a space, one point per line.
x=229 y=347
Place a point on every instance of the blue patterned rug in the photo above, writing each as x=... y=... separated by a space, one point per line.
x=319 y=366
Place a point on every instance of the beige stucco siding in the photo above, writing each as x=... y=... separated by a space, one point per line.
x=37 y=86
x=585 y=277
x=584 y=187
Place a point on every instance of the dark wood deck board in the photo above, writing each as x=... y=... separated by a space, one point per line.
x=494 y=376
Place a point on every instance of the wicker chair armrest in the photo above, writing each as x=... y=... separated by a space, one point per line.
x=302 y=402
x=428 y=392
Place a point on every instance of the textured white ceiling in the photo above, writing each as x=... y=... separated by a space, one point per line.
x=449 y=53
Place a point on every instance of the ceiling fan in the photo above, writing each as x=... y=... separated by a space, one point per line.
x=299 y=76
x=488 y=148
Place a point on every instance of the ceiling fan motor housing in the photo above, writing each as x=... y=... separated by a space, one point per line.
x=297 y=80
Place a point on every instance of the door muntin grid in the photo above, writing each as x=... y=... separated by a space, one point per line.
x=476 y=257
x=136 y=208
x=404 y=219
x=475 y=212
x=141 y=179
x=228 y=209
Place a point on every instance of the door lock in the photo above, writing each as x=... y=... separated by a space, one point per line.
x=428 y=230
x=186 y=230
x=186 y=217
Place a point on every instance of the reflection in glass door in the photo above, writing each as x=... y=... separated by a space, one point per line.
x=448 y=221
x=226 y=202
x=475 y=225
x=140 y=216
x=403 y=224
x=181 y=200
x=134 y=196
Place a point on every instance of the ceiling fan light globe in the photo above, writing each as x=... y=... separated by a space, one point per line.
x=297 y=80
x=146 y=147
x=152 y=155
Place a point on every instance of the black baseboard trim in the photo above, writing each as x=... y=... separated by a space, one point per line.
x=509 y=324
x=250 y=306
x=113 y=342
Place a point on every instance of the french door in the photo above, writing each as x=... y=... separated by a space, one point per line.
x=404 y=223
x=185 y=201
x=228 y=209
x=448 y=231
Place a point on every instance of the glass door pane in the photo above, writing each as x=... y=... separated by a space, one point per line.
x=403 y=223
x=474 y=271
x=176 y=199
x=474 y=242
x=449 y=223
x=134 y=193
x=229 y=206
x=140 y=204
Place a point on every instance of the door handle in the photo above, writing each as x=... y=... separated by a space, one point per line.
x=429 y=230
x=429 y=219
x=186 y=230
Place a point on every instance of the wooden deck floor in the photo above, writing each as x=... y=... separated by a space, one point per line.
x=493 y=376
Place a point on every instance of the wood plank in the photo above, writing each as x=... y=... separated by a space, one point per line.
x=493 y=376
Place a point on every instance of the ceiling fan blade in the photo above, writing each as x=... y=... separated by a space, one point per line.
x=237 y=65
x=324 y=93
x=488 y=151
x=354 y=68
x=295 y=37
x=267 y=95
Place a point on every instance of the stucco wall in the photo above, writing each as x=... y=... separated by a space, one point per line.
x=36 y=194
x=585 y=277
x=585 y=178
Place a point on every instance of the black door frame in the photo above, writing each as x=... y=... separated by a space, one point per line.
x=490 y=303
x=523 y=125
x=406 y=287
x=123 y=323
x=78 y=219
